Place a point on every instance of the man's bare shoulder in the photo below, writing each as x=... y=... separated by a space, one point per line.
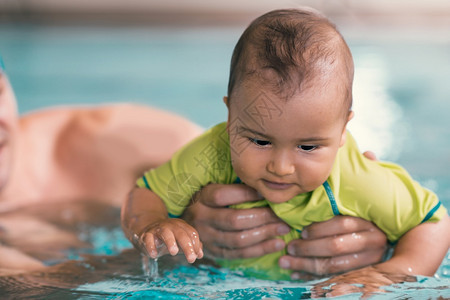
x=58 y=118
x=106 y=118
x=87 y=151
x=142 y=133
x=66 y=138
x=53 y=121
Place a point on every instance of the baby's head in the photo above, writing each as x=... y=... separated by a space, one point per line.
x=288 y=51
x=289 y=100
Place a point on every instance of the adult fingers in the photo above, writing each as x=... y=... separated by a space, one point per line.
x=209 y=209
x=338 y=225
x=228 y=219
x=13 y=258
x=220 y=244
x=221 y=195
x=339 y=289
x=339 y=244
x=242 y=219
x=368 y=280
x=258 y=250
x=370 y=155
x=329 y=265
x=241 y=239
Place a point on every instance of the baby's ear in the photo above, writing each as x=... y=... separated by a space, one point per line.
x=225 y=100
x=344 y=132
x=351 y=114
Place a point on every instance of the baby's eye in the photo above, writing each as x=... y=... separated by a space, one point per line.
x=307 y=148
x=259 y=142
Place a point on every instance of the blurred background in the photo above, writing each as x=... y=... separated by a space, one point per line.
x=175 y=55
x=170 y=12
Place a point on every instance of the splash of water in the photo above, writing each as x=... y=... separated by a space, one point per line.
x=150 y=267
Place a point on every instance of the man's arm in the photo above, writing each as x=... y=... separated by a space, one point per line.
x=15 y=261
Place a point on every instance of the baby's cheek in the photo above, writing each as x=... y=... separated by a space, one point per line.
x=246 y=167
x=316 y=178
x=238 y=168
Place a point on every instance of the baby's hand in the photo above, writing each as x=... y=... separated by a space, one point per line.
x=172 y=233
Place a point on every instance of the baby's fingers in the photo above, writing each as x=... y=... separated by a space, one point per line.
x=155 y=243
x=172 y=235
x=149 y=245
x=190 y=245
x=169 y=238
x=198 y=246
x=194 y=245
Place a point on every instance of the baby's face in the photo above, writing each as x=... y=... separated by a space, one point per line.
x=284 y=148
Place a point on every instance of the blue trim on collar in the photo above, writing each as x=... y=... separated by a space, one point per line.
x=238 y=180
x=146 y=183
x=330 y=195
x=431 y=212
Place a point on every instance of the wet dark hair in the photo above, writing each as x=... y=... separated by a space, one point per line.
x=295 y=45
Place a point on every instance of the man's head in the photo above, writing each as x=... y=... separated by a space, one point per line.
x=289 y=100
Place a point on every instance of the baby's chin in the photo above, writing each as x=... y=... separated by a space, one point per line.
x=276 y=197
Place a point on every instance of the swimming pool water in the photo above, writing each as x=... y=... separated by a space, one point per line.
x=111 y=270
x=112 y=275
x=400 y=99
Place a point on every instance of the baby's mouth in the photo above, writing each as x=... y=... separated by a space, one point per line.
x=277 y=185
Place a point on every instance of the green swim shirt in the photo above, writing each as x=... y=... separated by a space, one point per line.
x=381 y=192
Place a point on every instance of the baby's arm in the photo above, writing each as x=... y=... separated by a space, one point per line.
x=144 y=216
x=420 y=251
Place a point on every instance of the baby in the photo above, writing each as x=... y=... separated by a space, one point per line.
x=289 y=102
